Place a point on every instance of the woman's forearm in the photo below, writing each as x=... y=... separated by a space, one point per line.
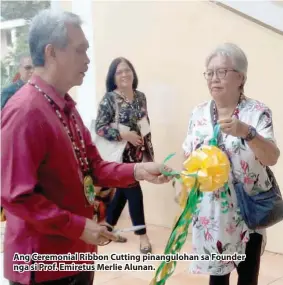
x=265 y=150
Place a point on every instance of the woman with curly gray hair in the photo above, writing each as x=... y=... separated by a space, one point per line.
x=248 y=139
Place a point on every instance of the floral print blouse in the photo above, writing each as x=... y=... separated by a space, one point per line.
x=215 y=230
x=129 y=115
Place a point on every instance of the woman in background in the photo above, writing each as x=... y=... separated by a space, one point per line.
x=121 y=85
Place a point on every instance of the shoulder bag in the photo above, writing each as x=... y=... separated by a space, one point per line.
x=111 y=151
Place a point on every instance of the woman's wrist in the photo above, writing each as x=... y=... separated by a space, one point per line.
x=244 y=130
x=250 y=133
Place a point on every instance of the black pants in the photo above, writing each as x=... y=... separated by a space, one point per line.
x=248 y=270
x=83 y=278
x=135 y=199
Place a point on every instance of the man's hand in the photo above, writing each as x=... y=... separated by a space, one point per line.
x=96 y=234
x=151 y=172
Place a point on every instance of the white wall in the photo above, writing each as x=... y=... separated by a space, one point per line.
x=268 y=12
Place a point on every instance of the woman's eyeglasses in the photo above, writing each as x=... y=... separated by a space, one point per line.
x=220 y=73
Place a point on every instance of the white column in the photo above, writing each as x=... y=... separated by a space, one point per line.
x=14 y=37
x=55 y=4
x=86 y=93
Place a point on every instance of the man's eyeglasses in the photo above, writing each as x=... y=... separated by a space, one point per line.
x=28 y=67
x=220 y=73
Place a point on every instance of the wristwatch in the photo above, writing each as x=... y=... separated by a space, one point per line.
x=251 y=134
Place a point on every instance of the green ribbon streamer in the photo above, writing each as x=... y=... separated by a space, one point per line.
x=179 y=233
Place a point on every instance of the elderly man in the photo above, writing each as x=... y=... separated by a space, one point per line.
x=49 y=164
x=25 y=73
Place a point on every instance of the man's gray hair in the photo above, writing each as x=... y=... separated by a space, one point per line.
x=49 y=27
x=232 y=51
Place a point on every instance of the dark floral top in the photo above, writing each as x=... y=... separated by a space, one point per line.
x=129 y=115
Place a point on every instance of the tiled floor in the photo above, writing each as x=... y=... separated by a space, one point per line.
x=271 y=266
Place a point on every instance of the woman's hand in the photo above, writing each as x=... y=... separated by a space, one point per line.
x=234 y=127
x=132 y=137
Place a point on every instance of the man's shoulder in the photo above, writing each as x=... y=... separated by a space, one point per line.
x=25 y=101
x=8 y=92
x=13 y=87
x=9 y=89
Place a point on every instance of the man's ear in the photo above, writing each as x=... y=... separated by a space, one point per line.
x=49 y=52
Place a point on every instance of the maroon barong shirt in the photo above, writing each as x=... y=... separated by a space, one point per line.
x=42 y=189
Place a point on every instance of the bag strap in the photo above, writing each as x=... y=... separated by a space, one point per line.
x=139 y=105
x=117 y=111
x=218 y=135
